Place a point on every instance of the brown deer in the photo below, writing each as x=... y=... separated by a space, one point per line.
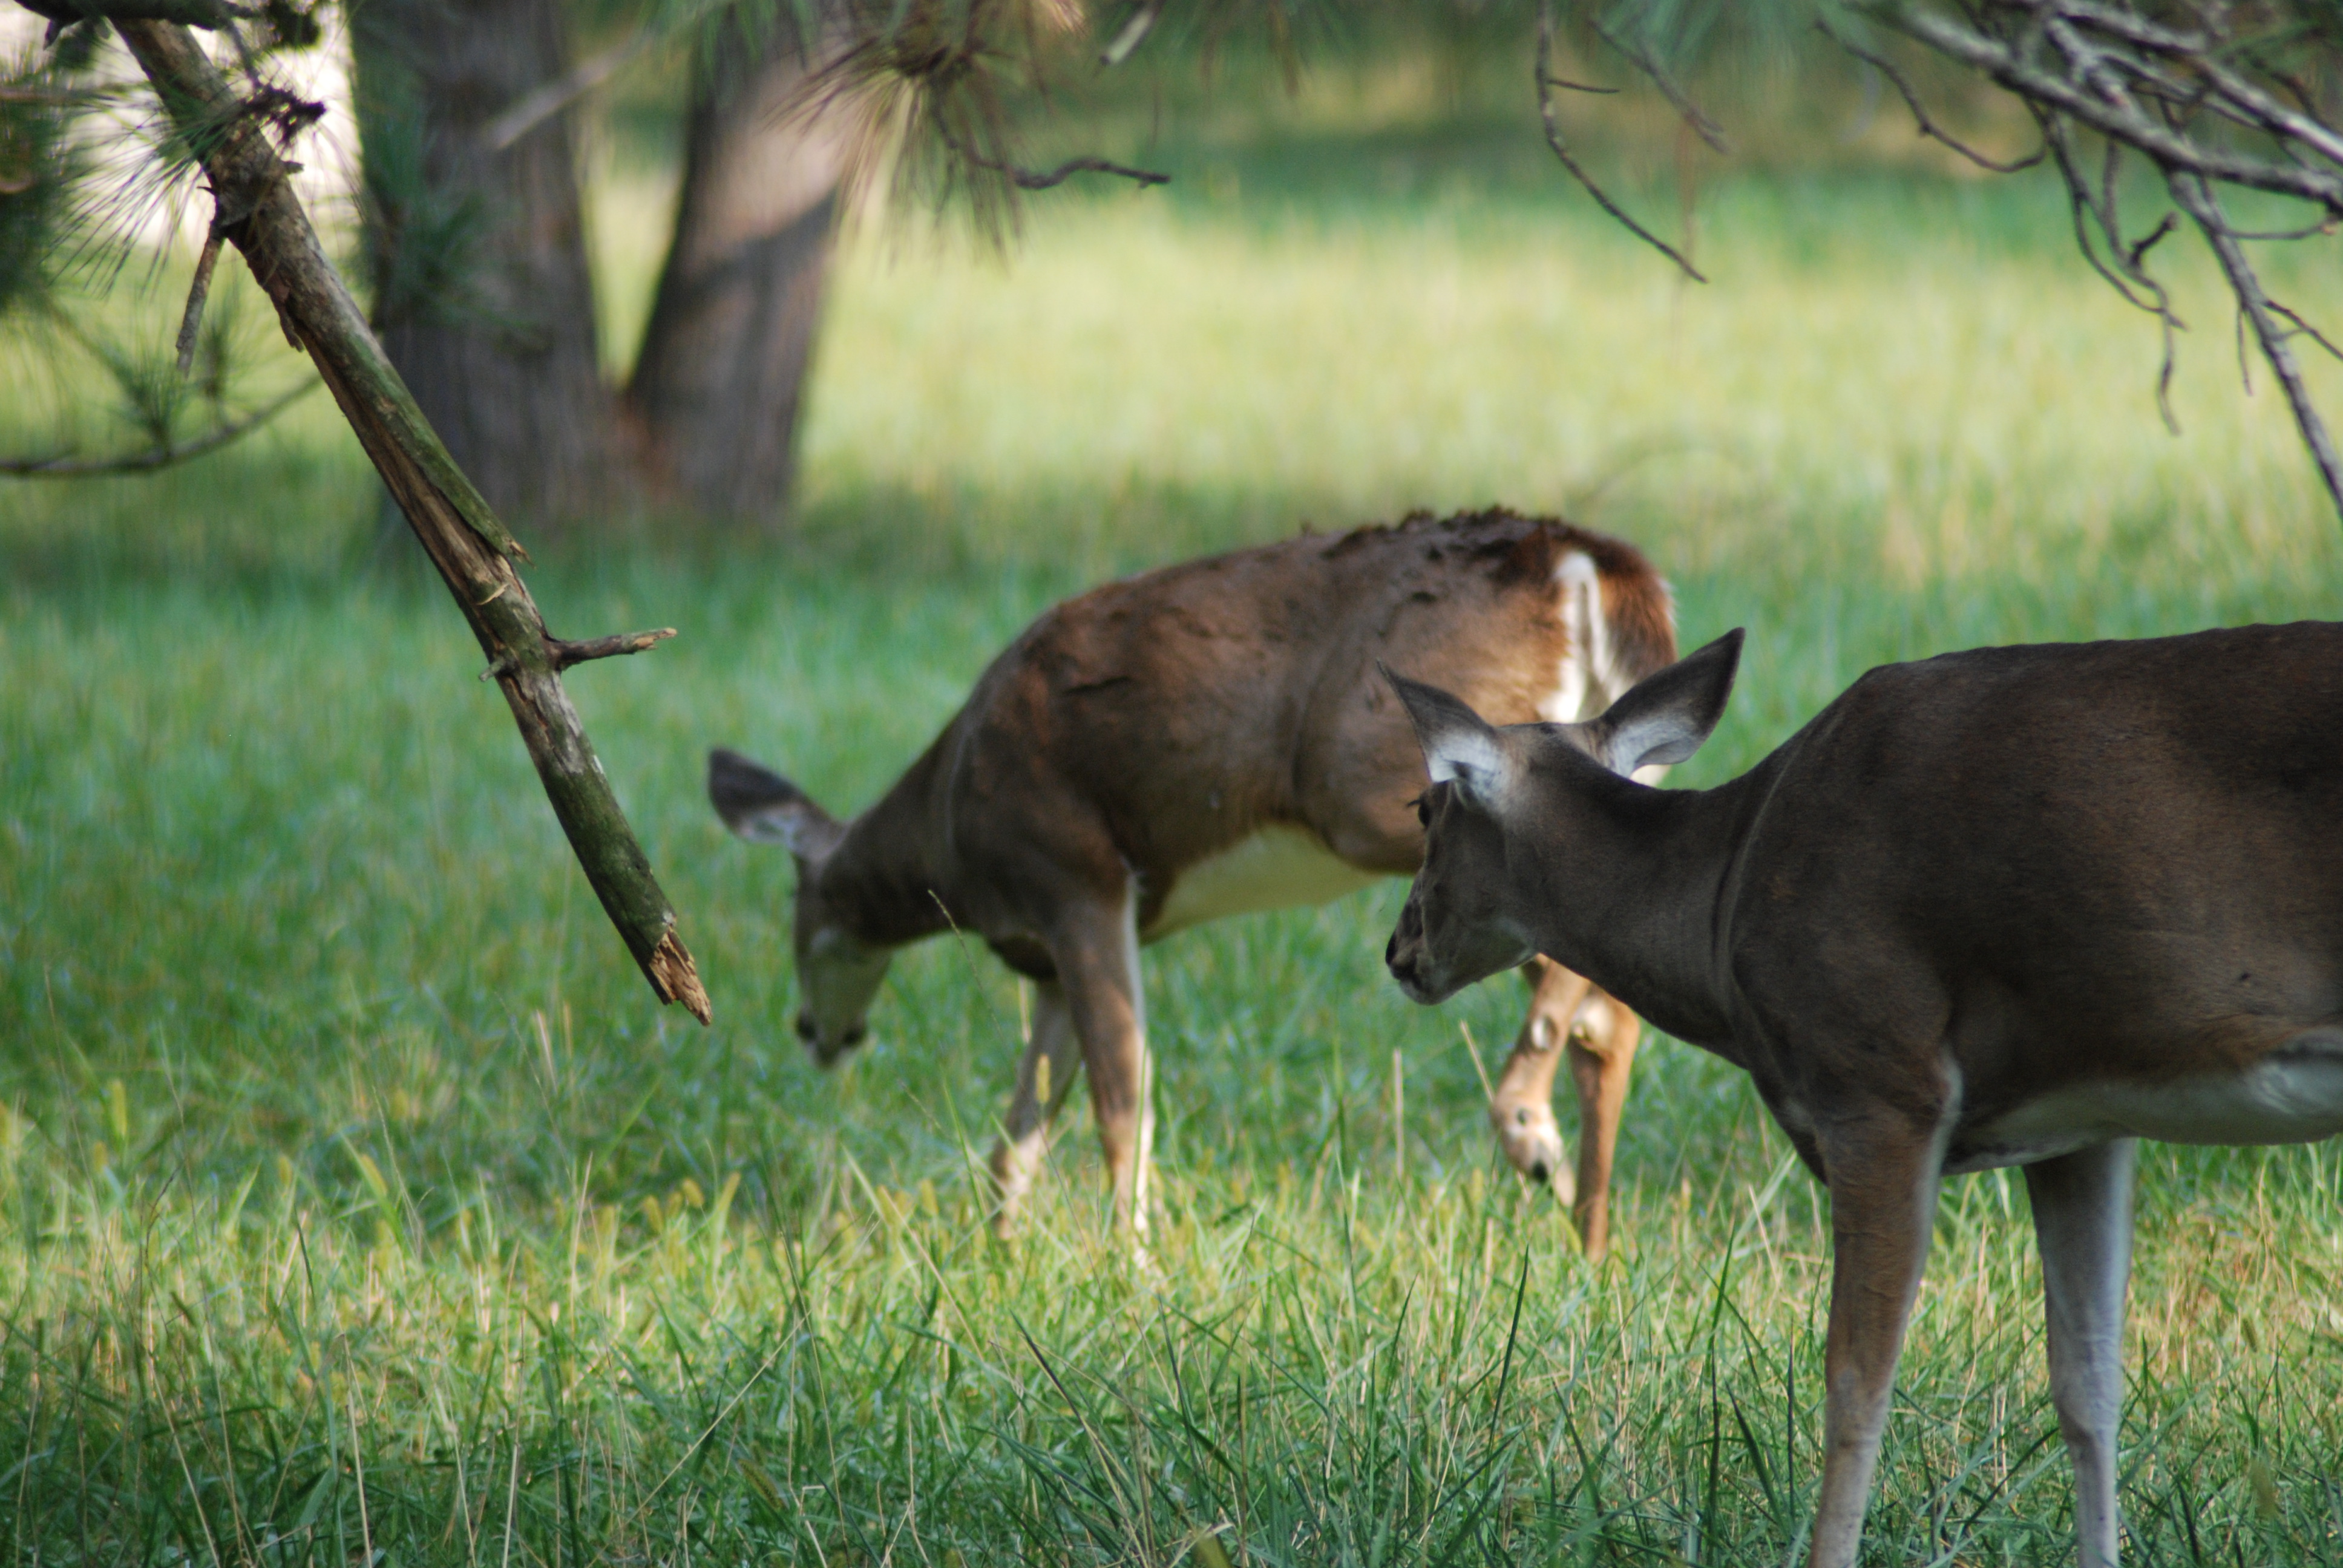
x=1201 y=740
x=2020 y=906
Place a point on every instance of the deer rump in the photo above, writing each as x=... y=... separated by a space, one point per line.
x=1216 y=731
x=1199 y=740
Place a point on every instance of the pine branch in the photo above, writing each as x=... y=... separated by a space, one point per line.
x=167 y=454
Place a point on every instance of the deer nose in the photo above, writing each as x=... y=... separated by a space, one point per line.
x=1399 y=963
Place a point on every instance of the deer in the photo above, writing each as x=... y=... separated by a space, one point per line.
x=2010 y=906
x=1204 y=740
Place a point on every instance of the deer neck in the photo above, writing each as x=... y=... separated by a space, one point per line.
x=885 y=880
x=1630 y=893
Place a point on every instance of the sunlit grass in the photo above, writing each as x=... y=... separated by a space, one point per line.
x=340 y=1137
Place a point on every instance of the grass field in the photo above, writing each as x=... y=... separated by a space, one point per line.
x=358 y=1201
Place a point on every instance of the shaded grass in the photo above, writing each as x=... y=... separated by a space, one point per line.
x=356 y=1200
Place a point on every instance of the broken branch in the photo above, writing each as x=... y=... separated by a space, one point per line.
x=460 y=532
x=567 y=653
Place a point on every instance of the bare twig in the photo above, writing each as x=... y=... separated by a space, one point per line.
x=2134 y=283
x=1928 y=126
x=191 y=320
x=1708 y=130
x=2301 y=327
x=2197 y=199
x=1026 y=179
x=154 y=458
x=2134 y=254
x=1546 y=83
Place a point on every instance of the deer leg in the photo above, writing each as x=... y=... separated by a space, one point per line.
x=1602 y=1049
x=1884 y=1178
x=1098 y=964
x=1521 y=1108
x=1044 y=1075
x=2082 y=1221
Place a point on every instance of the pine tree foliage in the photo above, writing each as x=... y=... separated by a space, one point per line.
x=88 y=166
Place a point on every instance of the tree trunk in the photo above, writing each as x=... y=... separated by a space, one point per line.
x=719 y=388
x=483 y=296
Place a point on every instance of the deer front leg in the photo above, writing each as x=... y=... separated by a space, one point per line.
x=1521 y=1108
x=1883 y=1175
x=1044 y=1075
x=2082 y=1222
x=1603 y=1040
x=1098 y=965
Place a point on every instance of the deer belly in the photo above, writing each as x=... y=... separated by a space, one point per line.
x=1275 y=868
x=2294 y=1095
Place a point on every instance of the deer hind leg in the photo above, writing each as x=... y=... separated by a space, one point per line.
x=1602 y=1041
x=1884 y=1176
x=1521 y=1108
x=1098 y=965
x=2082 y=1221
x=1044 y=1075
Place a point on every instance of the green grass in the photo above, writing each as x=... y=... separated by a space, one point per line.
x=356 y=1199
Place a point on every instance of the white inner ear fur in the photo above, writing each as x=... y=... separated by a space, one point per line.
x=1471 y=758
x=792 y=825
x=1655 y=740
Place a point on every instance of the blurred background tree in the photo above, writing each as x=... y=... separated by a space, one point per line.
x=477 y=249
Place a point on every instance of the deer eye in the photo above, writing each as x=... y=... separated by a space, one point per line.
x=1421 y=807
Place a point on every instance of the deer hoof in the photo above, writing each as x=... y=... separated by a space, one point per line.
x=1532 y=1144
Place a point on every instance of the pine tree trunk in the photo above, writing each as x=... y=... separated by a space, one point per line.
x=719 y=389
x=483 y=296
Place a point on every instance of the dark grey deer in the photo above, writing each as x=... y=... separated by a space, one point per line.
x=2019 y=906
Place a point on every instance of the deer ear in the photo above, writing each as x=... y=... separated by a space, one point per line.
x=1664 y=718
x=764 y=808
x=1458 y=743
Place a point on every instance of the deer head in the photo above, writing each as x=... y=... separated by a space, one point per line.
x=1475 y=903
x=838 y=973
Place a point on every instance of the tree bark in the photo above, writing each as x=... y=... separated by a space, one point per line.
x=719 y=389
x=257 y=212
x=483 y=294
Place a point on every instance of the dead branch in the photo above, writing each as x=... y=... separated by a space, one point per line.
x=1546 y=83
x=466 y=541
x=1928 y=127
x=154 y=458
x=2092 y=94
x=2146 y=83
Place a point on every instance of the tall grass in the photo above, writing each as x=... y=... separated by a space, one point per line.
x=357 y=1201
